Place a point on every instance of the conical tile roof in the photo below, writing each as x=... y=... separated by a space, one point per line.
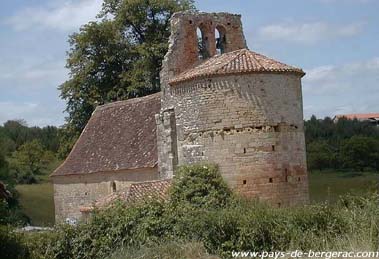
x=236 y=62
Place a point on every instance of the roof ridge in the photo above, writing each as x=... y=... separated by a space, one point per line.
x=212 y=60
x=253 y=58
x=227 y=62
x=273 y=60
x=151 y=181
x=127 y=101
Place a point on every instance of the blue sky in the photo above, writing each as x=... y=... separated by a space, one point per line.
x=336 y=42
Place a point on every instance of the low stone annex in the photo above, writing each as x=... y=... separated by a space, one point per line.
x=220 y=103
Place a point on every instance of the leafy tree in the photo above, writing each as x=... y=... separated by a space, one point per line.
x=29 y=161
x=17 y=131
x=360 y=152
x=320 y=155
x=48 y=136
x=4 y=172
x=116 y=58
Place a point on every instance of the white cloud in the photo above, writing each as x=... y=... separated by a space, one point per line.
x=65 y=15
x=33 y=75
x=349 y=88
x=336 y=79
x=40 y=114
x=308 y=32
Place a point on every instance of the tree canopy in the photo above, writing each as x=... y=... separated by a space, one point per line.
x=29 y=160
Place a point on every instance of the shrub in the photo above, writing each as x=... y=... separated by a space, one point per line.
x=106 y=231
x=11 y=214
x=219 y=221
x=199 y=185
x=172 y=250
x=248 y=225
x=11 y=245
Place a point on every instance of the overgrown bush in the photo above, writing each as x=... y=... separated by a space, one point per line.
x=169 y=250
x=216 y=219
x=11 y=213
x=11 y=244
x=199 y=185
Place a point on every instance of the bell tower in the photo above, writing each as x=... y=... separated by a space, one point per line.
x=187 y=49
x=192 y=41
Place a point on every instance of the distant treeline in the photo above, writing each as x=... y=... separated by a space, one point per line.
x=26 y=152
x=341 y=145
x=15 y=133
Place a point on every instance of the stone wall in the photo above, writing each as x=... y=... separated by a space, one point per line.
x=166 y=143
x=74 y=191
x=252 y=127
x=183 y=43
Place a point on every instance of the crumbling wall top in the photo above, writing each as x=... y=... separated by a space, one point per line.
x=185 y=47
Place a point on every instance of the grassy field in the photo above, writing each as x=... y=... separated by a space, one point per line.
x=37 y=202
x=328 y=186
x=37 y=199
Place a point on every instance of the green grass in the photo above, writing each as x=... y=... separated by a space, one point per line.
x=37 y=203
x=37 y=199
x=329 y=185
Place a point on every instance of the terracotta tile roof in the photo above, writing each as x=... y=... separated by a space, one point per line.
x=147 y=190
x=118 y=136
x=364 y=116
x=236 y=62
x=135 y=193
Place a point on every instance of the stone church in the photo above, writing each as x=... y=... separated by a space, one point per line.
x=220 y=103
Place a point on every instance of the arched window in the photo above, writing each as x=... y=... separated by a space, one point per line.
x=202 y=44
x=220 y=39
x=113 y=186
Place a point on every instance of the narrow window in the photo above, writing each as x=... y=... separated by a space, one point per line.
x=273 y=147
x=220 y=39
x=244 y=150
x=270 y=180
x=244 y=181
x=202 y=44
x=113 y=186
